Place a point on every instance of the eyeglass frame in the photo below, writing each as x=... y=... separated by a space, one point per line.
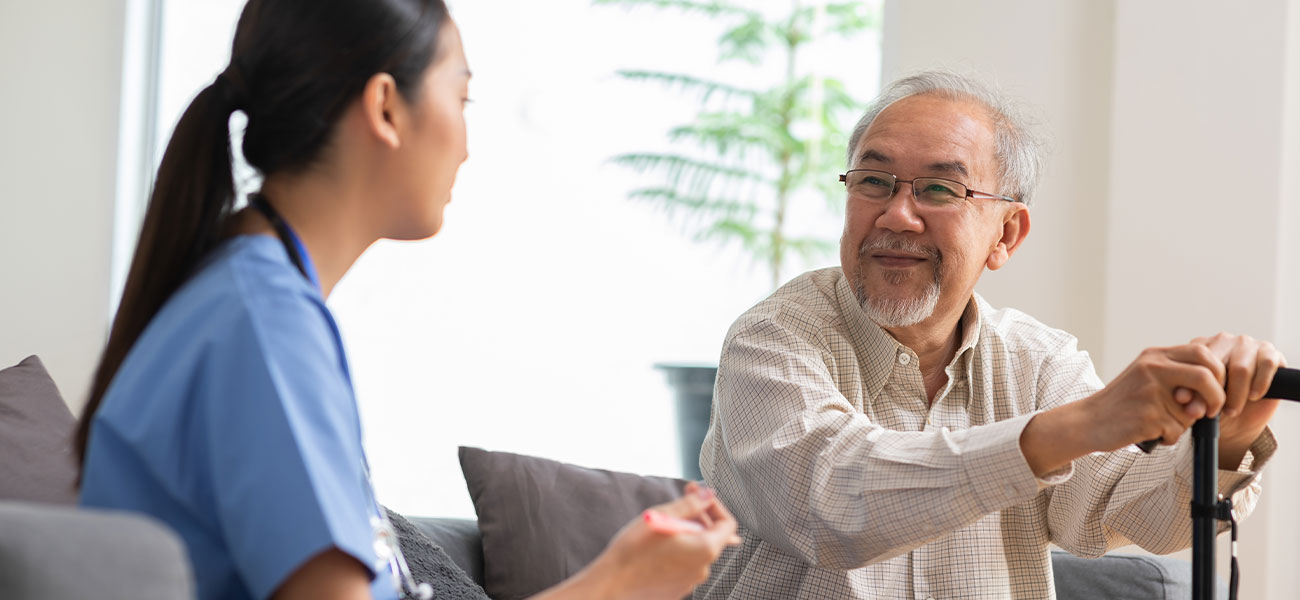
x=970 y=193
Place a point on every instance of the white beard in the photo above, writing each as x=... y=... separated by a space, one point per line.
x=898 y=312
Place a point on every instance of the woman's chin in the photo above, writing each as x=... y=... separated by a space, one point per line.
x=413 y=231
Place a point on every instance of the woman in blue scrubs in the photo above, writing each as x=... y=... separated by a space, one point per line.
x=223 y=404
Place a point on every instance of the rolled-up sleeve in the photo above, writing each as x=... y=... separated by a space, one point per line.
x=1128 y=497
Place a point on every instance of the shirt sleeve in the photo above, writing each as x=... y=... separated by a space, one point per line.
x=283 y=456
x=1122 y=497
x=799 y=465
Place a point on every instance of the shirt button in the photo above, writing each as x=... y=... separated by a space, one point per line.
x=904 y=358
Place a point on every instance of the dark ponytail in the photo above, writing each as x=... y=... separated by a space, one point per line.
x=295 y=66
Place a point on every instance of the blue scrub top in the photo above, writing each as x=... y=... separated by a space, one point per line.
x=233 y=420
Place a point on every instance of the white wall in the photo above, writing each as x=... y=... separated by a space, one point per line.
x=1204 y=249
x=1170 y=208
x=61 y=67
x=1196 y=168
x=1276 y=521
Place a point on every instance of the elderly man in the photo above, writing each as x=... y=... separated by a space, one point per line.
x=880 y=431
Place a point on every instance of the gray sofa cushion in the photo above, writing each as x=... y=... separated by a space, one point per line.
x=63 y=552
x=36 y=460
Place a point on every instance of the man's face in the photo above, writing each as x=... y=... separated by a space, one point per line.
x=908 y=262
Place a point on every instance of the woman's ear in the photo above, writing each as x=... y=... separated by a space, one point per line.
x=1015 y=227
x=383 y=109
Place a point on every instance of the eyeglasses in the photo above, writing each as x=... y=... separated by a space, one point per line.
x=934 y=192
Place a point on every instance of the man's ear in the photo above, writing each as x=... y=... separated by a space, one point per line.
x=383 y=109
x=1015 y=227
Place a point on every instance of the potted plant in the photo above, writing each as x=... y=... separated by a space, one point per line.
x=748 y=153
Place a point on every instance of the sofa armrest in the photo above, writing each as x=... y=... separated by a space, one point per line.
x=459 y=538
x=50 y=551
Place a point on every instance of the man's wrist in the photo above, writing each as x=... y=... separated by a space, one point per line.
x=1232 y=452
x=1054 y=438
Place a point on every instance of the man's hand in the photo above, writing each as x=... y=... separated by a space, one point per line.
x=1138 y=405
x=1159 y=396
x=1250 y=366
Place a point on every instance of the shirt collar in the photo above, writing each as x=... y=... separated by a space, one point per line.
x=972 y=320
x=880 y=350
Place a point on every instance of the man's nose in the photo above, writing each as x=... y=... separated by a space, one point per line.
x=899 y=212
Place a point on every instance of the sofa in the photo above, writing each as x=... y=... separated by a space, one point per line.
x=1111 y=577
x=538 y=521
x=48 y=551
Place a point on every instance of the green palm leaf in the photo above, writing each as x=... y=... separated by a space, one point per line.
x=704 y=87
x=711 y=9
x=754 y=154
x=696 y=206
x=683 y=172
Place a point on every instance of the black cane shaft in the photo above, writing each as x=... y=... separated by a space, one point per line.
x=1205 y=496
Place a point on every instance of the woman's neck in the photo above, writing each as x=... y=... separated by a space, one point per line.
x=325 y=214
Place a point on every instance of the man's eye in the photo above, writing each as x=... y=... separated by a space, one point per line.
x=874 y=181
x=940 y=189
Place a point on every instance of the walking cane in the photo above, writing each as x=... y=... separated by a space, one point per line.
x=1207 y=507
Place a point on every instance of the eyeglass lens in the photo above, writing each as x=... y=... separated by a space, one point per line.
x=879 y=186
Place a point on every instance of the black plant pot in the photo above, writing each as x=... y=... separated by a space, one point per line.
x=693 y=387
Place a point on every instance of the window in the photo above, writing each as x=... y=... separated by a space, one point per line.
x=532 y=321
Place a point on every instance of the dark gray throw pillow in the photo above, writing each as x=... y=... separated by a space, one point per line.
x=542 y=520
x=36 y=460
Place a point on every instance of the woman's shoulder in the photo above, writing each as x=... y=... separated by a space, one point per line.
x=255 y=271
x=242 y=326
x=245 y=303
x=247 y=282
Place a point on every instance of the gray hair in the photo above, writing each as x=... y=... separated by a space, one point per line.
x=1020 y=152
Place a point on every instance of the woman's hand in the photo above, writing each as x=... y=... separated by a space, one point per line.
x=657 y=556
x=652 y=561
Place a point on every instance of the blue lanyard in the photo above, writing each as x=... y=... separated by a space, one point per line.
x=293 y=245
